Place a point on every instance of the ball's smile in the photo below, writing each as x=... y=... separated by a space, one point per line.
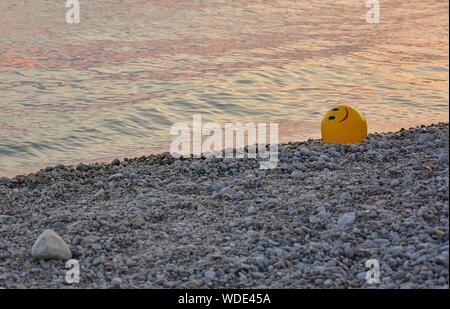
x=346 y=115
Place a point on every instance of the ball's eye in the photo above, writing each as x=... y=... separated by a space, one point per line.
x=331 y=118
x=335 y=109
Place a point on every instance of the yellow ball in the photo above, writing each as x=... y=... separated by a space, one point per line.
x=344 y=124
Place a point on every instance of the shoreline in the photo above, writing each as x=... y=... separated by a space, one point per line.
x=159 y=222
x=162 y=151
x=287 y=134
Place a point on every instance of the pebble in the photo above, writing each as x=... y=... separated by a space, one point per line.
x=116 y=282
x=50 y=246
x=115 y=177
x=346 y=219
x=443 y=158
x=251 y=210
x=424 y=138
x=361 y=276
x=261 y=261
x=258 y=275
x=209 y=275
x=100 y=193
x=349 y=252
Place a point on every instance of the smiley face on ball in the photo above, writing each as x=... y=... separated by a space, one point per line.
x=344 y=124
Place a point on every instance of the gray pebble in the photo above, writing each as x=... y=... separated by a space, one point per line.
x=346 y=219
x=209 y=275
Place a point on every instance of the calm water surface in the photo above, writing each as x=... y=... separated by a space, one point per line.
x=113 y=85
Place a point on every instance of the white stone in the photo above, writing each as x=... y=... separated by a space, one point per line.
x=50 y=246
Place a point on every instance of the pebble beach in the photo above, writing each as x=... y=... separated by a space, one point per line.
x=313 y=222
